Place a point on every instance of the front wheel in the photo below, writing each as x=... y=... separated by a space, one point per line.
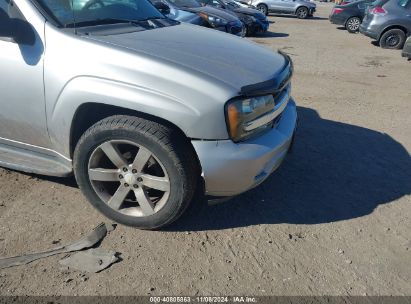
x=249 y=31
x=263 y=8
x=392 y=39
x=353 y=24
x=302 y=12
x=136 y=172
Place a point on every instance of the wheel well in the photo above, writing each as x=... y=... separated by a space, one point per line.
x=300 y=7
x=90 y=113
x=399 y=27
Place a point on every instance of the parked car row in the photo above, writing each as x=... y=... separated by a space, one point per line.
x=300 y=8
x=243 y=18
x=223 y=15
x=386 y=21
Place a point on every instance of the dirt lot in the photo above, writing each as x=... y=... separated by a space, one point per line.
x=334 y=220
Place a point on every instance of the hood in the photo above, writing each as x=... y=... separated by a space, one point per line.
x=251 y=12
x=228 y=59
x=227 y=15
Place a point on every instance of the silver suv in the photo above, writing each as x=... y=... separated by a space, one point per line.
x=133 y=104
x=300 y=8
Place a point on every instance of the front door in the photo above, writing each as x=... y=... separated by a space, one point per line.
x=22 y=104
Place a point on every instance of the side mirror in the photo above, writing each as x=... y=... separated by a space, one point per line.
x=16 y=30
x=162 y=7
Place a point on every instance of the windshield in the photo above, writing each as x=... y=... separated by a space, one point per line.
x=232 y=4
x=185 y=3
x=78 y=12
x=378 y=3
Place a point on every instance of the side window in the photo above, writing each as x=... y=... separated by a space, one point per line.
x=403 y=3
x=215 y=3
x=4 y=6
x=11 y=9
x=361 y=6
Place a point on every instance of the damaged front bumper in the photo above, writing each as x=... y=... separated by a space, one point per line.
x=232 y=168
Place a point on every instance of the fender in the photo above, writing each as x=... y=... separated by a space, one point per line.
x=82 y=90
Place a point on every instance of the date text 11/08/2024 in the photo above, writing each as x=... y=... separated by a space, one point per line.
x=203 y=299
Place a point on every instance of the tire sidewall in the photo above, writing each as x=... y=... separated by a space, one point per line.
x=81 y=160
x=347 y=27
x=265 y=12
x=299 y=9
x=401 y=35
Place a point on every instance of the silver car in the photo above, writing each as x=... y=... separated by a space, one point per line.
x=300 y=8
x=133 y=104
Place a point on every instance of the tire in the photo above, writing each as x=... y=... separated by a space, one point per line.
x=353 y=24
x=393 y=39
x=302 y=12
x=127 y=147
x=249 y=31
x=263 y=8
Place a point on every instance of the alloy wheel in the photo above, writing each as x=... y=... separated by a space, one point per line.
x=262 y=8
x=353 y=24
x=129 y=178
x=302 y=13
x=393 y=40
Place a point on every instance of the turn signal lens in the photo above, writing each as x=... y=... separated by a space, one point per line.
x=233 y=119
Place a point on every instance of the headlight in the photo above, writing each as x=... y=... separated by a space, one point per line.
x=241 y=112
x=214 y=20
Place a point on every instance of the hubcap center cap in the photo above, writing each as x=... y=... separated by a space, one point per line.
x=130 y=179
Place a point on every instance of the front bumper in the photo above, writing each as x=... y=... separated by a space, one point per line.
x=311 y=11
x=261 y=25
x=232 y=168
x=236 y=28
x=406 y=51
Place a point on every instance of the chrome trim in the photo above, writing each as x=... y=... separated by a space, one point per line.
x=38 y=149
x=270 y=116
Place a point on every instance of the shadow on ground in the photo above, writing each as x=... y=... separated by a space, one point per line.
x=293 y=16
x=271 y=35
x=336 y=172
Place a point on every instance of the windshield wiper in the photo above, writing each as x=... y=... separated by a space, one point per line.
x=102 y=21
x=148 y=18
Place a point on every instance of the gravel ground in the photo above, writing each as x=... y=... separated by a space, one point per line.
x=334 y=220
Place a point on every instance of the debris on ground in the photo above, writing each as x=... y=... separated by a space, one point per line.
x=92 y=260
x=111 y=227
x=94 y=237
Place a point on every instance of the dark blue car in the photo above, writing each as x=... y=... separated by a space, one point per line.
x=253 y=19
x=350 y=15
x=193 y=12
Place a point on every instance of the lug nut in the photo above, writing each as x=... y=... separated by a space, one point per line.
x=139 y=179
x=125 y=169
x=126 y=185
x=135 y=186
x=134 y=171
x=120 y=176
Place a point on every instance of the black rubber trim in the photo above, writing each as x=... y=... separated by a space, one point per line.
x=273 y=85
x=46 y=13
